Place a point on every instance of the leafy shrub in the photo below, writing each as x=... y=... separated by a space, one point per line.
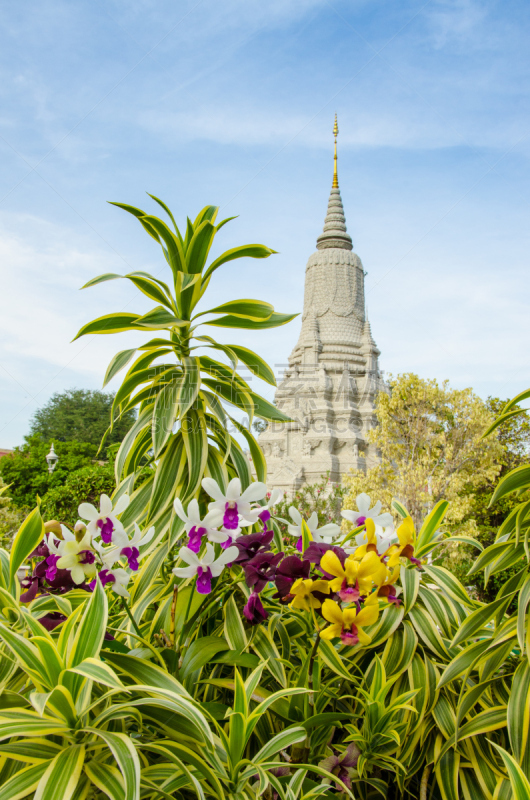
x=82 y=485
x=27 y=471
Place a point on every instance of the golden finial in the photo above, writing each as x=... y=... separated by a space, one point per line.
x=335 y=184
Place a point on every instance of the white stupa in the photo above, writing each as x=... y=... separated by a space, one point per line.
x=333 y=378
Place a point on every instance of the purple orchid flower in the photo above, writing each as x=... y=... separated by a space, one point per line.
x=51 y=567
x=204 y=580
x=342 y=765
x=261 y=569
x=254 y=611
x=265 y=516
x=132 y=555
x=195 y=538
x=251 y=544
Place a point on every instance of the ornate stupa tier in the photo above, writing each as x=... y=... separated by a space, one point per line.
x=330 y=387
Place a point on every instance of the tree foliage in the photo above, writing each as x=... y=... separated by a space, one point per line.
x=84 y=484
x=27 y=471
x=429 y=437
x=79 y=415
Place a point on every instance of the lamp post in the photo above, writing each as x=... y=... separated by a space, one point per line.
x=52 y=458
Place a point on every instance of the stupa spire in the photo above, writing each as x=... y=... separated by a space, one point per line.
x=334 y=233
x=335 y=184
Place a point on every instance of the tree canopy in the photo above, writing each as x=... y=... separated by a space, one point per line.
x=429 y=437
x=26 y=471
x=81 y=415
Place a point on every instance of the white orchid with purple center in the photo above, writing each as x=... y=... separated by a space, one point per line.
x=204 y=568
x=364 y=512
x=235 y=504
x=324 y=534
x=105 y=522
x=196 y=528
x=118 y=579
x=131 y=551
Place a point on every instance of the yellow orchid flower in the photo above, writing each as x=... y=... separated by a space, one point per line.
x=371 y=543
x=387 y=589
x=347 y=624
x=405 y=548
x=355 y=578
x=303 y=590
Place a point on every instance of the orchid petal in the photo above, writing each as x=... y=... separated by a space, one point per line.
x=122 y=504
x=212 y=488
x=88 y=511
x=256 y=491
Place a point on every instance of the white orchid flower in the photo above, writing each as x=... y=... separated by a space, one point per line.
x=131 y=551
x=324 y=534
x=235 y=504
x=365 y=512
x=118 y=578
x=105 y=522
x=77 y=557
x=204 y=568
x=197 y=528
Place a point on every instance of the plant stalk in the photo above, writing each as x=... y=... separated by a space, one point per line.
x=128 y=612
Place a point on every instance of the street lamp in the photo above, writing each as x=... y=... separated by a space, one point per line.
x=52 y=458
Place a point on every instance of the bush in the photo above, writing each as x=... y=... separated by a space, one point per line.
x=27 y=471
x=83 y=485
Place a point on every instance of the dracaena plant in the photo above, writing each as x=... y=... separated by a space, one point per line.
x=180 y=392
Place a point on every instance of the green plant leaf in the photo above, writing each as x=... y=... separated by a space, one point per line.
x=245 y=309
x=118 y=362
x=231 y=321
x=62 y=775
x=476 y=621
x=159 y=318
x=110 y=323
x=126 y=757
x=281 y=741
x=199 y=653
x=108 y=276
x=233 y=627
x=22 y=783
x=106 y=778
x=28 y=536
x=518 y=780
x=244 y=251
x=91 y=631
x=515 y=480
x=98 y=671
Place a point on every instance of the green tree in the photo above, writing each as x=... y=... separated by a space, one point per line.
x=85 y=485
x=27 y=471
x=80 y=415
x=514 y=436
x=429 y=437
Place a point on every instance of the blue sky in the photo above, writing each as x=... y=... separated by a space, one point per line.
x=232 y=104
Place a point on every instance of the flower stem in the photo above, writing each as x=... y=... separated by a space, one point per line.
x=128 y=612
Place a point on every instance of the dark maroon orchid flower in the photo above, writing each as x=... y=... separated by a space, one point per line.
x=254 y=611
x=287 y=572
x=251 y=544
x=261 y=569
x=316 y=550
